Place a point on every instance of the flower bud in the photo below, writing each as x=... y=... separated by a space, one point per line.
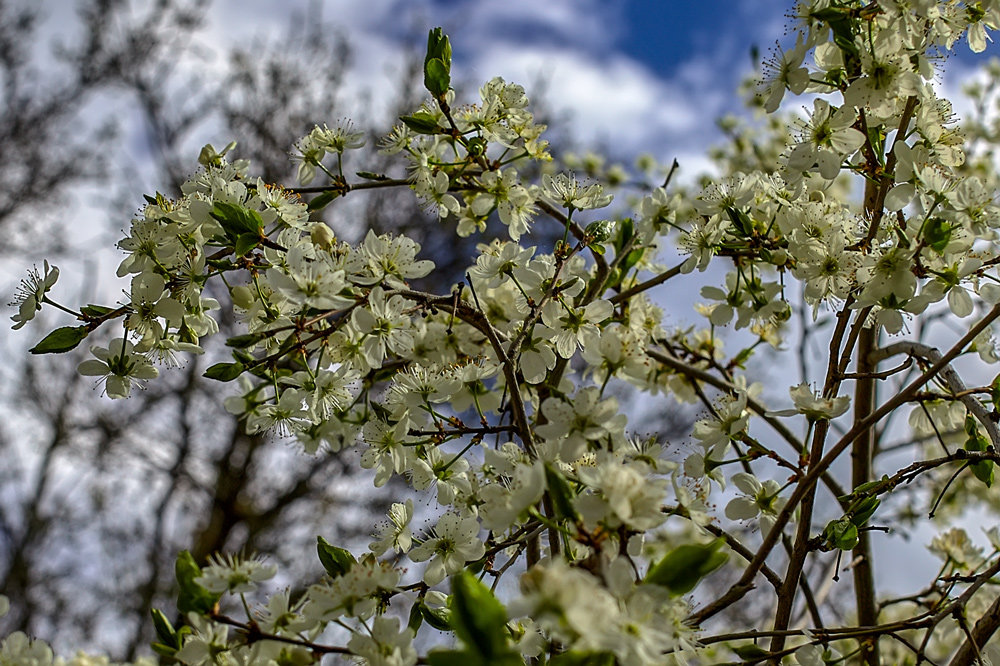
x=242 y=296
x=322 y=235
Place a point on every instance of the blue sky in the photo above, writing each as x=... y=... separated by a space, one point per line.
x=633 y=75
x=642 y=74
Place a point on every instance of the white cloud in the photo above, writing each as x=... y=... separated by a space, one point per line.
x=567 y=44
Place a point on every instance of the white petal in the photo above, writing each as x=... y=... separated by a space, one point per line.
x=741 y=508
x=960 y=302
x=899 y=196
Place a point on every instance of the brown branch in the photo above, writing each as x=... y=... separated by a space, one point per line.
x=741 y=587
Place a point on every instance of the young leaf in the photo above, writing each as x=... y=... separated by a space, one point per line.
x=336 y=561
x=61 y=340
x=422 y=122
x=631 y=259
x=225 y=372
x=437 y=79
x=322 y=200
x=841 y=533
x=245 y=340
x=937 y=234
x=983 y=469
x=95 y=311
x=682 y=569
x=560 y=492
x=236 y=220
x=439 y=618
x=863 y=509
x=478 y=618
x=245 y=243
x=437 y=63
x=163 y=650
x=191 y=596
x=995 y=393
x=625 y=230
x=164 y=630
x=415 y=619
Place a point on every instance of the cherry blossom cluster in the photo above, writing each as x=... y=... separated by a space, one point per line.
x=499 y=399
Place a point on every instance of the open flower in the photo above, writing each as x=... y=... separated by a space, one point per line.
x=386 y=645
x=814 y=405
x=454 y=541
x=234 y=574
x=758 y=499
x=396 y=532
x=119 y=366
x=31 y=293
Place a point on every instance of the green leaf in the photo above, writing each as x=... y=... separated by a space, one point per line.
x=843 y=35
x=164 y=630
x=983 y=469
x=192 y=597
x=221 y=264
x=438 y=49
x=415 y=618
x=478 y=618
x=841 y=533
x=225 y=372
x=560 y=492
x=626 y=229
x=438 y=46
x=862 y=509
x=437 y=63
x=237 y=220
x=439 y=618
x=600 y=230
x=163 y=650
x=61 y=340
x=245 y=243
x=742 y=357
x=95 y=311
x=863 y=488
x=437 y=78
x=972 y=429
x=244 y=341
x=937 y=234
x=876 y=136
x=682 y=569
x=631 y=259
x=336 y=561
x=995 y=393
x=741 y=222
x=322 y=200
x=422 y=122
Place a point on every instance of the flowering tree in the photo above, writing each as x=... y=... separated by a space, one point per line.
x=496 y=397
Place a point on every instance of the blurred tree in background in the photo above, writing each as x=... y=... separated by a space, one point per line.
x=97 y=492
